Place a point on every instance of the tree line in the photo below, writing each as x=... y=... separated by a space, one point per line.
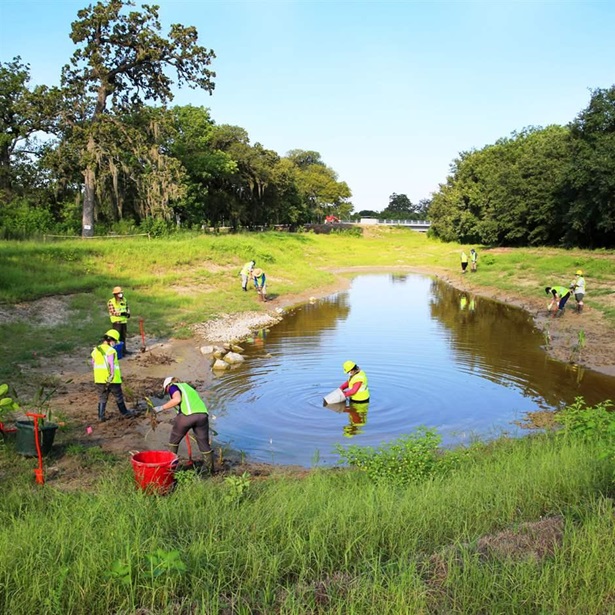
x=105 y=148
x=541 y=186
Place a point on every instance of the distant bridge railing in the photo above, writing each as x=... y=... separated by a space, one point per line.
x=417 y=225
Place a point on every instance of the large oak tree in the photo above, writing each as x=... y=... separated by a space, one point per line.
x=122 y=63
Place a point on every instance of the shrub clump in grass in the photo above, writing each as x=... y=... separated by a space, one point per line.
x=409 y=459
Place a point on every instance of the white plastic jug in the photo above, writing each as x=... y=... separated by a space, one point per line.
x=335 y=397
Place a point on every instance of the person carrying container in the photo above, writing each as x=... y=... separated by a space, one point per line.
x=246 y=274
x=560 y=297
x=107 y=375
x=577 y=286
x=260 y=283
x=119 y=313
x=355 y=388
x=192 y=414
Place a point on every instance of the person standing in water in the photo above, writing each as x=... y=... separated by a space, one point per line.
x=355 y=388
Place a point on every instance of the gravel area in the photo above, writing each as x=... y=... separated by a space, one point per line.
x=235 y=327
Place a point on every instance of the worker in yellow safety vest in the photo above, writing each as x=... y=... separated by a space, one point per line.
x=119 y=313
x=192 y=414
x=246 y=274
x=107 y=375
x=355 y=388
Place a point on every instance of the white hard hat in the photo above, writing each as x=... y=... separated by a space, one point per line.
x=167 y=382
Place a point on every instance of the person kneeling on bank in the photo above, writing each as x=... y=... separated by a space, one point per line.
x=192 y=414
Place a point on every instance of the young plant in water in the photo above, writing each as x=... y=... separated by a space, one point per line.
x=576 y=349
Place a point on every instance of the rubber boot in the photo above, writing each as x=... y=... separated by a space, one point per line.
x=173 y=448
x=208 y=464
x=124 y=411
x=101 y=412
x=560 y=313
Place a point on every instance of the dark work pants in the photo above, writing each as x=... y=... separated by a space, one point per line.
x=116 y=389
x=199 y=423
x=121 y=328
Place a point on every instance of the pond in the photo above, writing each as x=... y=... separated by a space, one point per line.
x=434 y=356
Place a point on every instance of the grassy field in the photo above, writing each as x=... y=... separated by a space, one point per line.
x=523 y=526
x=513 y=526
x=176 y=282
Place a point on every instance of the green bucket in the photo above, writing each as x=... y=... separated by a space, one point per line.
x=25 y=443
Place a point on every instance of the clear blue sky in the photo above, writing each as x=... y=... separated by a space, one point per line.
x=388 y=92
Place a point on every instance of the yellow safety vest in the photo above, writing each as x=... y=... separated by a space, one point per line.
x=363 y=393
x=119 y=306
x=191 y=401
x=101 y=355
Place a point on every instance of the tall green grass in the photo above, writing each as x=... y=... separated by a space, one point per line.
x=332 y=542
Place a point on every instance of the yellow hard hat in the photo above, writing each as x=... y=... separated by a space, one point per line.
x=579 y=272
x=348 y=365
x=113 y=334
x=117 y=290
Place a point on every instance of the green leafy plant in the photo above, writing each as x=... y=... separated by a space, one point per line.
x=237 y=488
x=163 y=562
x=41 y=402
x=406 y=460
x=595 y=423
x=120 y=571
x=7 y=404
x=186 y=477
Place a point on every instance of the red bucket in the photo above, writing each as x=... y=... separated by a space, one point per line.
x=154 y=470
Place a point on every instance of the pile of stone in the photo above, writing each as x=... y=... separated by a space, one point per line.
x=225 y=356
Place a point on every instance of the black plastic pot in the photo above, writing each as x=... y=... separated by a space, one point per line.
x=25 y=443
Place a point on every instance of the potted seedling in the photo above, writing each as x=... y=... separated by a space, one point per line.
x=8 y=407
x=38 y=419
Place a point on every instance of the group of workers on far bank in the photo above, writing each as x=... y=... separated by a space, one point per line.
x=561 y=294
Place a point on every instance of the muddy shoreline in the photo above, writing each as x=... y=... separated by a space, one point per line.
x=143 y=373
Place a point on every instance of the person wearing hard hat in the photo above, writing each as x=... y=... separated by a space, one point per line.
x=473 y=259
x=119 y=313
x=560 y=297
x=355 y=388
x=577 y=286
x=107 y=375
x=260 y=283
x=192 y=414
x=246 y=274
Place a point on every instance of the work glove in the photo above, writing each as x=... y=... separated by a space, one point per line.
x=158 y=409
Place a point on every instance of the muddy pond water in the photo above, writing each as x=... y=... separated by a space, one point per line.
x=434 y=356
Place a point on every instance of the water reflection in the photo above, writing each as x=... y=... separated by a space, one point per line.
x=436 y=357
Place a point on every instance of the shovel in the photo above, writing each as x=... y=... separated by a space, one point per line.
x=38 y=472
